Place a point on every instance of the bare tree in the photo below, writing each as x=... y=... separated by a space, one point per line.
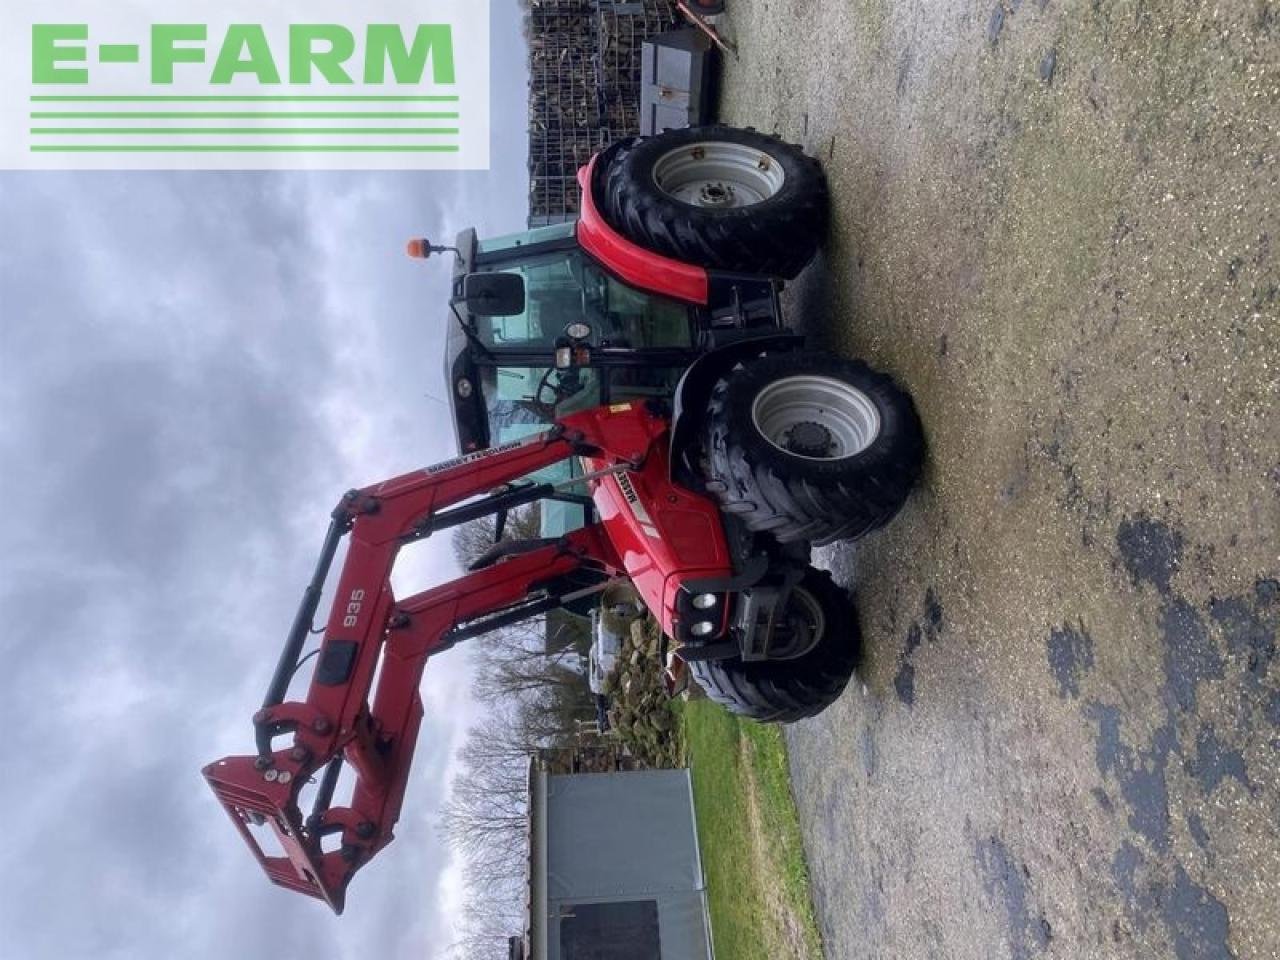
x=516 y=671
x=470 y=540
x=530 y=679
x=484 y=820
x=484 y=816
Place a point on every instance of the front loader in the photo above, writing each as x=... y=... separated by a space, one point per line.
x=634 y=369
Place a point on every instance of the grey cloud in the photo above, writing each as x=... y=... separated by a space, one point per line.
x=174 y=349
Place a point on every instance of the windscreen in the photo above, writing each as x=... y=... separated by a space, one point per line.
x=566 y=287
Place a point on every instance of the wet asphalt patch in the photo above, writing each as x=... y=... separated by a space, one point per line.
x=1191 y=657
x=1070 y=652
x=1139 y=773
x=1151 y=551
x=1124 y=874
x=1196 y=921
x=1214 y=761
x=928 y=627
x=1009 y=882
x=1249 y=625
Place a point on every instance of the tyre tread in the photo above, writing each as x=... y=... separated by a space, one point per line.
x=787 y=691
x=776 y=238
x=761 y=490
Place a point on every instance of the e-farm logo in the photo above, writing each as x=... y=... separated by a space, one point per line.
x=338 y=84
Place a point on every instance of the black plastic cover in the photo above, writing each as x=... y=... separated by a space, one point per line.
x=336 y=660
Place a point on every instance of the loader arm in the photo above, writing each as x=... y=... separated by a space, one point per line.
x=345 y=720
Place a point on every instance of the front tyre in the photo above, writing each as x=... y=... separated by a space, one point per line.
x=811 y=447
x=818 y=665
x=720 y=198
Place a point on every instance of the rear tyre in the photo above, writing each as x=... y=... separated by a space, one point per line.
x=783 y=691
x=812 y=447
x=720 y=198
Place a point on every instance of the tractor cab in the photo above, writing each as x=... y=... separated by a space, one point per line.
x=539 y=330
x=577 y=338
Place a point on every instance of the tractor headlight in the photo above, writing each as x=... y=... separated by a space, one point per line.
x=464 y=388
x=578 y=331
x=704 y=601
x=703 y=628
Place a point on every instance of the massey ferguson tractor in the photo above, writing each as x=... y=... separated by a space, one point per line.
x=632 y=374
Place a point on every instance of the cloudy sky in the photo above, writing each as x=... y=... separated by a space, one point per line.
x=193 y=367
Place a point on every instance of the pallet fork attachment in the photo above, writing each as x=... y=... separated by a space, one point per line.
x=344 y=720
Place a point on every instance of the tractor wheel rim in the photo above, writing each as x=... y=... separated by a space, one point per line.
x=806 y=626
x=816 y=418
x=719 y=175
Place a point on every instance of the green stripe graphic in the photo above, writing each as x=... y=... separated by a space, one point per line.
x=320 y=115
x=239 y=131
x=97 y=107
x=243 y=148
x=240 y=99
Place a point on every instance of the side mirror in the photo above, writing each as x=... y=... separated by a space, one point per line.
x=493 y=294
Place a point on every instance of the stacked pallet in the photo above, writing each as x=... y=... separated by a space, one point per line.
x=584 y=89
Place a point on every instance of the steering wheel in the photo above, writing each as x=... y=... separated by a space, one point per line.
x=569 y=384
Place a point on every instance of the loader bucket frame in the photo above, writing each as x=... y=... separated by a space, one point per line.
x=344 y=720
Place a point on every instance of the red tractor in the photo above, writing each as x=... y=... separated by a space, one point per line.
x=632 y=374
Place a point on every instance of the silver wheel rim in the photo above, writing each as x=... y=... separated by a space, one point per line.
x=816 y=418
x=807 y=622
x=719 y=175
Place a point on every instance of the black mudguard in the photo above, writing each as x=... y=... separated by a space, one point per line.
x=693 y=393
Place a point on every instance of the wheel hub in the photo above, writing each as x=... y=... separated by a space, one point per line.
x=719 y=174
x=809 y=439
x=801 y=626
x=716 y=195
x=816 y=417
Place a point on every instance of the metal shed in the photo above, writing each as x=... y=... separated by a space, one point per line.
x=614 y=869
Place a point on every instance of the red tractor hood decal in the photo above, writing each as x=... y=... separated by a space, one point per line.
x=639 y=267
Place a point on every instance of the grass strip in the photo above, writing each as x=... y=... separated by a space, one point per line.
x=749 y=834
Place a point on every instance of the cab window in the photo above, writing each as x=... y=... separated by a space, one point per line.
x=566 y=287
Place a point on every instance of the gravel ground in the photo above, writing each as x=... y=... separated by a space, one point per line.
x=1058 y=225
